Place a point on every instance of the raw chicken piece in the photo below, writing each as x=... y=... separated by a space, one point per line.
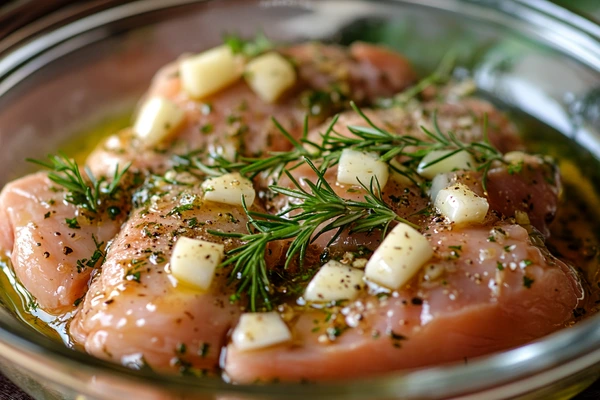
x=408 y=200
x=461 y=306
x=488 y=287
x=234 y=120
x=522 y=189
x=231 y=121
x=44 y=249
x=135 y=312
x=363 y=72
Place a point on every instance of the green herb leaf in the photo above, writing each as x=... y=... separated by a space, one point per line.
x=83 y=190
x=527 y=281
x=249 y=48
x=319 y=210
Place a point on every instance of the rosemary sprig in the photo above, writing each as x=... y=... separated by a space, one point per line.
x=441 y=75
x=484 y=153
x=96 y=256
x=272 y=165
x=318 y=210
x=250 y=267
x=193 y=163
x=248 y=48
x=83 y=190
x=369 y=138
x=372 y=138
x=389 y=145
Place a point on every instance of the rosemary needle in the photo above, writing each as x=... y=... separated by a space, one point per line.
x=86 y=193
x=319 y=210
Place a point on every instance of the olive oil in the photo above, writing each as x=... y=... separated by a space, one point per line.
x=22 y=304
x=12 y=293
x=576 y=232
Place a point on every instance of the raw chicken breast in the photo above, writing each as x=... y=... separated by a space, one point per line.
x=462 y=305
x=50 y=242
x=490 y=285
x=135 y=312
x=235 y=120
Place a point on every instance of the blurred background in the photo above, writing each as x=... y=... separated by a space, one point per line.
x=17 y=13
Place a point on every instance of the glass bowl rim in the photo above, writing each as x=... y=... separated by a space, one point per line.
x=544 y=355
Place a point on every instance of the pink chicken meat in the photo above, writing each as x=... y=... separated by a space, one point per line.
x=489 y=286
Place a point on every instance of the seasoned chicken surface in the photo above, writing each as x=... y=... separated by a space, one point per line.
x=282 y=184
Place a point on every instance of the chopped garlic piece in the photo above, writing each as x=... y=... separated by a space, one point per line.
x=515 y=157
x=399 y=172
x=229 y=189
x=399 y=257
x=193 y=262
x=335 y=281
x=522 y=217
x=157 y=119
x=270 y=75
x=433 y=272
x=259 y=330
x=461 y=205
x=458 y=161
x=439 y=182
x=358 y=166
x=208 y=72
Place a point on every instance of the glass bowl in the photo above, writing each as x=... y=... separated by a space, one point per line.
x=71 y=70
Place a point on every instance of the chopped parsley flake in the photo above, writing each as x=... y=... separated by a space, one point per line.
x=193 y=222
x=525 y=263
x=206 y=128
x=72 y=223
x=203 y=351
x=515 y=168
x=134 y=276
x=180 y=209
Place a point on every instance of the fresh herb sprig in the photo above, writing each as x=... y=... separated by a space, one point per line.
x=272 y=165
x=484 y=153
x=83 y=190
x=249 y=48
x=368 y=138
x=319 y=209
x=96 y=256
x=389 y=145
x=440 y=76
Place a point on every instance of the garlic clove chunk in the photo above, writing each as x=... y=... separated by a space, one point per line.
x=461 y=205
x=439 y=182
x=399 y=257
x=229 y=189
x=269 y=76
x=335 y=281
x=193 y=262
x=157 y=119
x=259 y=330
x=210 y=71
x=360 y=167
